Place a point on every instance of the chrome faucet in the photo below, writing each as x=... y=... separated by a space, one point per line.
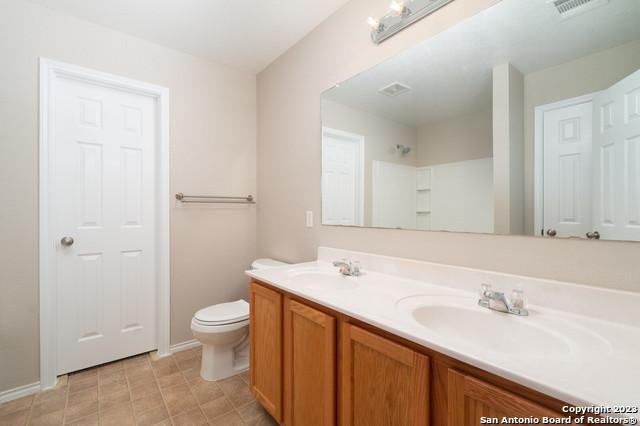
x=497 y=301
x=348 y=268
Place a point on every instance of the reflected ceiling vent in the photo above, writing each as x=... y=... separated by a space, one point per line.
x=569 y=8
x=394 y=89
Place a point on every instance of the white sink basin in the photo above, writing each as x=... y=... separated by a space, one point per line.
x=318 y=279
x=492 y=330
x=539 y=335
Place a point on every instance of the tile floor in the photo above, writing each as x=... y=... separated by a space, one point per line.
x=141 y=391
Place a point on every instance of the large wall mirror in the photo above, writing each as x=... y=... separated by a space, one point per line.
x=524 y=119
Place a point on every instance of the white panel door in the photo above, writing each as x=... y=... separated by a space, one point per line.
x=616 y=205
x=104 y=161
x=568 y=170
x=393 y=195
x=341 y=178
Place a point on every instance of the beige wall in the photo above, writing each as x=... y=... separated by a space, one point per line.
x=585 y=75
x=212 y=152
x=289 y=165
x=461 y=138
x=380 y=138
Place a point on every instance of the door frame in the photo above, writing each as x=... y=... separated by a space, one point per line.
x=538 y=155
x=359 y=140
x=50 y=70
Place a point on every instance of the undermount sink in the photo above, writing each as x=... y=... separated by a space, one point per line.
x=540 y=335
x=317 y=279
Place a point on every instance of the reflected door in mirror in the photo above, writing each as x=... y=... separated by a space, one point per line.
x=567 y=170
x=617 y=160
x=342 y=178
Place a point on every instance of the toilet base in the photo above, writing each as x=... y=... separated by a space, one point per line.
x=221 y=362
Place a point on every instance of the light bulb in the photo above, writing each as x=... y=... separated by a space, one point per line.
x=397 y=7
x=373 y=23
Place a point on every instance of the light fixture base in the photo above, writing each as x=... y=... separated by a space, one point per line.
x=413 y=11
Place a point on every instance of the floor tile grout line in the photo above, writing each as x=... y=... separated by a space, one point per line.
x=98 y=396
x=66 y=399
x=190 y=390
x=155 y=377
x=27 y=419
x=235 y=408
x=164 y=405
x=126 y=379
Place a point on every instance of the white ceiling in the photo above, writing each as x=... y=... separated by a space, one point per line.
x=451 y=74
x=246 y=34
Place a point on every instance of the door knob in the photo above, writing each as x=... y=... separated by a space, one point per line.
x=595 y=235
x=551 y=232
x=66 y=241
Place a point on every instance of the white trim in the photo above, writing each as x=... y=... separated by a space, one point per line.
x=538 y=154
x=359 y=139
x=183 y=346
x=19 y=392
x=48 y=310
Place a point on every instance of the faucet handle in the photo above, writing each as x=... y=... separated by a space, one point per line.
x=484 y=289
x=355 y=268
x=517 y=298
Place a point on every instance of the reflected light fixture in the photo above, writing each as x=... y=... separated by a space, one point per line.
x=401 y=14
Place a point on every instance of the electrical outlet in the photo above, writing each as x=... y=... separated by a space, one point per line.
x=309 y=219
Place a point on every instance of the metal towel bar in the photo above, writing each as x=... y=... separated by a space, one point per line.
x=214 y=199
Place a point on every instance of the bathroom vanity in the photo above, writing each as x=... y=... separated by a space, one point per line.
x=405 y=343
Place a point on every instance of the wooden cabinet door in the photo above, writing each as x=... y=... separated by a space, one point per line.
x=309 y=366
x=265 y=347
x=381 y=382
x=469 y=399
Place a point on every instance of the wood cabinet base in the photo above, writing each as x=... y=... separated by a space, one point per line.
x=313 y=366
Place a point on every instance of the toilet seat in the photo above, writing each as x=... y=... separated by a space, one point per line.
x=217 y=329
x=223 y=314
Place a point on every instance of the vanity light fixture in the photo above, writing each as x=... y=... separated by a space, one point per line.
x=398 y=8
x=401 y=14
x=373 y=23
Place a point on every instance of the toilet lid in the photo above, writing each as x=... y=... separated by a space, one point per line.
x=224 y=313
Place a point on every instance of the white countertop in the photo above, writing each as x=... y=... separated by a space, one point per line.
x=599 y=328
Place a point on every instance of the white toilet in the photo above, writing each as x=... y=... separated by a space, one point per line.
x=223 y=330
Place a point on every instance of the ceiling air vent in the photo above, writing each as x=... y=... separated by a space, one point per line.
x=569 y=8
x=394 y=89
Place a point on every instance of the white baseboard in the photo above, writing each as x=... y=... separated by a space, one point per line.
x=183 y=346
x=19 y=392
